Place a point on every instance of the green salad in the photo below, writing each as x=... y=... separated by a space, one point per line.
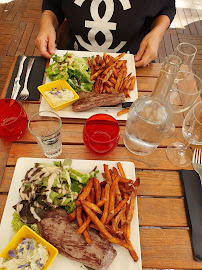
x=46 y=187
x=74 y=70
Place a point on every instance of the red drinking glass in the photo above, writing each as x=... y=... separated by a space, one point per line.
x=13 y=119
x=101 y=133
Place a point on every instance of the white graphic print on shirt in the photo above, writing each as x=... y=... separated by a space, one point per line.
x=101 y=25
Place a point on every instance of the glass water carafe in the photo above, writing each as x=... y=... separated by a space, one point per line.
x=151 y=116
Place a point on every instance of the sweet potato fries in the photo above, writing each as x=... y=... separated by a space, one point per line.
x=108 y=207
x=110 y=75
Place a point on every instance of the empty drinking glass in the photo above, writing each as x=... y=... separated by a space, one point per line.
x=186 y=52
x=46 y=130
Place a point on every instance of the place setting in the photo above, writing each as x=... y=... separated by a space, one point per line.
x=101 y=134
x=92 y=203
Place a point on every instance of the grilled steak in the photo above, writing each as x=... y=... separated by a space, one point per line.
x=63 y=235
x=92 y=100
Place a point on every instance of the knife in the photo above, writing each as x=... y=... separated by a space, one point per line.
x=16 y=86
x=126 y=104
x=123 y=104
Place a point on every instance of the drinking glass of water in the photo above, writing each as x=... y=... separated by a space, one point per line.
x=46 y=127
x=101 y=133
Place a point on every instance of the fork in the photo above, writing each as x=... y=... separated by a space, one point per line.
x=197 y=162
x=25 y=93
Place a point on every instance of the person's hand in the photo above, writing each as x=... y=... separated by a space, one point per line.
x=45 y=41
x=148 y=49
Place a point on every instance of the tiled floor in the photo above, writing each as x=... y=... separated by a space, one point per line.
x=19 y=24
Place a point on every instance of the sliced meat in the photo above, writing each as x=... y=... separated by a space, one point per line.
x=63 y=235
x=92 y=100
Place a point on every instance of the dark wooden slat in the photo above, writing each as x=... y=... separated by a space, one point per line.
x=73 y=134
x=149 y=71
x=146 y=84
x=7 y=10
x=2 y=9
x=34 y=4
x=20 y=12
x=156 y=161
x=36 y=52
x=3 y=199
x=164 y=249
x=25 y=39
x=16 y=39
x=7 y=27
x=190 y=21
x=167 y=212
x=174 y=39
x=159 y=183
x=4 y=152
x=17 y=5
x=197 y=21
x=4 y=43
x=161 y=51
x=31 y=44
x=6 y=80
x=168 y=43
x=31 y=15
x=195 y=38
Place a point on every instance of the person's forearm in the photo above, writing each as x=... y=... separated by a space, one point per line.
x=160 y=25
x=49 y=18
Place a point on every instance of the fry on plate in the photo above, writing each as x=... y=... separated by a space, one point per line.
x=108 y=206
x=110 y=74
x=123 y=111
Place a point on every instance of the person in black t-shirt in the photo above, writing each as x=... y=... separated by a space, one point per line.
x=132 y=26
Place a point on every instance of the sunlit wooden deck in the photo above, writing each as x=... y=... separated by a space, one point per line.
x=19 y=25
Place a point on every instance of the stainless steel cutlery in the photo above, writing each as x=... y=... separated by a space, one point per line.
x=197 y=162
x=25 y=93
x=16 y=86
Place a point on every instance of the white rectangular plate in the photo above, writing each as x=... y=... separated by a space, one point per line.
x=68 y=113
x=123 y=259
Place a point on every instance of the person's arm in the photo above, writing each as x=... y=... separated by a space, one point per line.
x=149 y=46
x=52 y=16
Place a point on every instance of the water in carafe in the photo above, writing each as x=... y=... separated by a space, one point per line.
x=151 y=116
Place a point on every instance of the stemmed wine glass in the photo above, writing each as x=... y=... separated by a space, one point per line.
x=180 y=154
x=184 y=93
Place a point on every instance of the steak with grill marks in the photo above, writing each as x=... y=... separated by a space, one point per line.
x=63 y=235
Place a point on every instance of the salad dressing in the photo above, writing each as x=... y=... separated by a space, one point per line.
x=46 y=187
x=19 y=207
x=32 y=210
x=37 y=177
x=50 y=184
